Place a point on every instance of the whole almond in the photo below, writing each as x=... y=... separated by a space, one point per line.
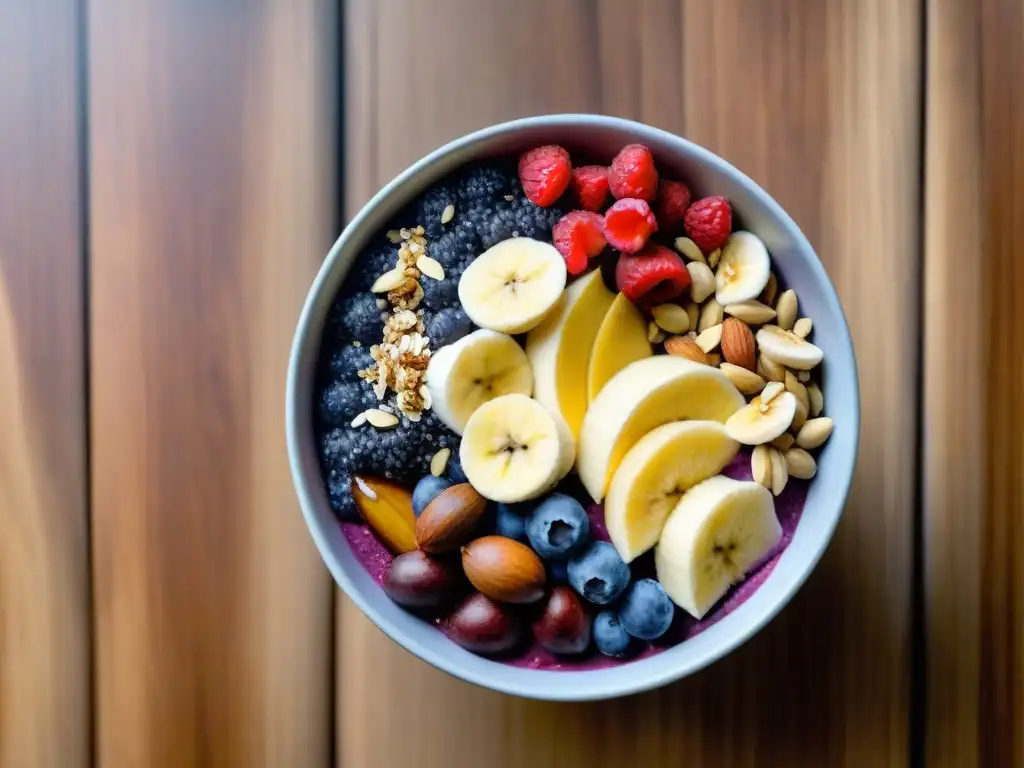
x=816 y=398
x=753 y=312
x=689 y=249
x=747 y=382
x=654 y=334
x=702 y=280
x=713 y=257
x=738 y=343
x=715 y=359
x=711 y=314
x=671 y=318
x=693 y=315
x=771 y=370
x=710 y=338
x=803 y=327
x=786 y=310
x=683 y=346
x=768 y=294
x=387 y=509
x=800 y=464
x=814 y=432
x=780 y=472
x=799 y=418
x=761 y=466
x=793 y=385
x=784 y=441
x=503 y=569
x=449 y=520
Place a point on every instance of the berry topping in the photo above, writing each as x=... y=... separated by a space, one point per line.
x=579 y=236
x=670 y=208
x=590 y=183
x=646 y=612
x=709 y=222
x=558 y=527
x=628 y=224
x=654 y=275
x=598 y=573
x=633 y=174
x=544 y=173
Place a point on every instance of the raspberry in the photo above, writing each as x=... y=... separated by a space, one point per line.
x=673 y=200
x=628 y=224
x=633 y=174
x=579 y=236
x=652 y=276
x=590 y=183
x=544 y=173
x=709 y=222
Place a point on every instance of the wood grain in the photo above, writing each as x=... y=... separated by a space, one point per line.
x=44 y=540
x=820 y=103
x=974 y=576
x=212 y=149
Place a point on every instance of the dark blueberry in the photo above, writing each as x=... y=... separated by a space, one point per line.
x=457 y=247
x=430 y=207
x=609 y=635
x=339 y=493
x=341 y=401
x=372 y=262
x=356 y=318
x=455 y=473
x=558 y=527
x=426 y=490
x=646 y=611
x=511 y=521
x=598 y=573
x=484 y=183
x=558 y=572
x=448 y=326
x=533 y=221
x=345 y=362
x=442 y=294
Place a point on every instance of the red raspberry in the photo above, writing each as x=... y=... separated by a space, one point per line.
x=544 y=173
x=709 y=222
x=633 y=174
x=628 y=224
x=579 y=236
x=590 y=183
x=652 y=276
x=670 y=208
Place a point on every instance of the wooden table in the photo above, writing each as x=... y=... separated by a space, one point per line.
x=171 y=174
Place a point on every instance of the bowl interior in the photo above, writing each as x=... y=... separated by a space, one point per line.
x=797 y=266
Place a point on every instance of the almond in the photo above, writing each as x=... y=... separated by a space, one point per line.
x=793 y=385
x=503 y=569
x=683 y=346
x=387 y=509
x=440 y=461
x=689 y=249
x=800 y=464
x=654 y=334
x=388 y=281
x=448 y=213
x=449 y=520
x=803 y=327
x=753 y=312
x=780 y=472
x=713 y=257
x=702 y=280
x=814 y=432
x=747 y=382
x=693 y=315
x=671 y=318
x=799 y=418
x=771 y=370
x=738 y=343
x=768 y=294
x=784 y=441
x=711 y=314
x=816 y=398
x=710 y=338
x=786 y=310
x=761 y=466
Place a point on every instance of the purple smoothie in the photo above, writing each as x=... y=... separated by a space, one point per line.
x=788 y=507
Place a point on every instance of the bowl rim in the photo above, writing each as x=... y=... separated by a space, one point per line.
x=296 y=413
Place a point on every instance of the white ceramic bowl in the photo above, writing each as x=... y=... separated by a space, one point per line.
x=792 y=258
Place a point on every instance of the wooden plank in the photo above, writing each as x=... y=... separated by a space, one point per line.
x=44 y=539
x=974 y=579
x=212 y=135
x=817 y=101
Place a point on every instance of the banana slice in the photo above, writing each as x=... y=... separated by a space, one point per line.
x=513 y=285
x=653 y=476
x=479 y=367
x=788 y=349
x=640 y=397
x=719 y=531
x=743 y=270
x=514 y=449
x=761 y=422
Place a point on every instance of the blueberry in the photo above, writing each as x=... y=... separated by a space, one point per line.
x=646 y=611
x=558 y=527
x=426 y=490
x=511 y=521
x=448 y=326
x=558 y=572
x=609 y=636
x=598 y=573
x=455 y=473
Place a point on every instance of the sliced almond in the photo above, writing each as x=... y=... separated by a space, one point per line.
x=689 y=249
x=440 y=459
x=798 y=389
x=803 y=376
x=803 y=327
x=430 y=267
x=800 y=464
x=671 y=318
x=787 y=309
x=780 y=472
x=771 y=391
x=393 y=235
x=381 y=419
x=752 y=312
x=388 y=281
x=702 y=280
x=693 y=315
x=770 y=369
x=359 y=420
x=817 y=400
x=814 y=432
x=761 y=466
x=747 y=382
x=799 y=418
x=448 y=213
x=713 y=257
x=709 y=339
x=768 y=294
x=654 y=334
x=784 y=441
x=711 y=313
